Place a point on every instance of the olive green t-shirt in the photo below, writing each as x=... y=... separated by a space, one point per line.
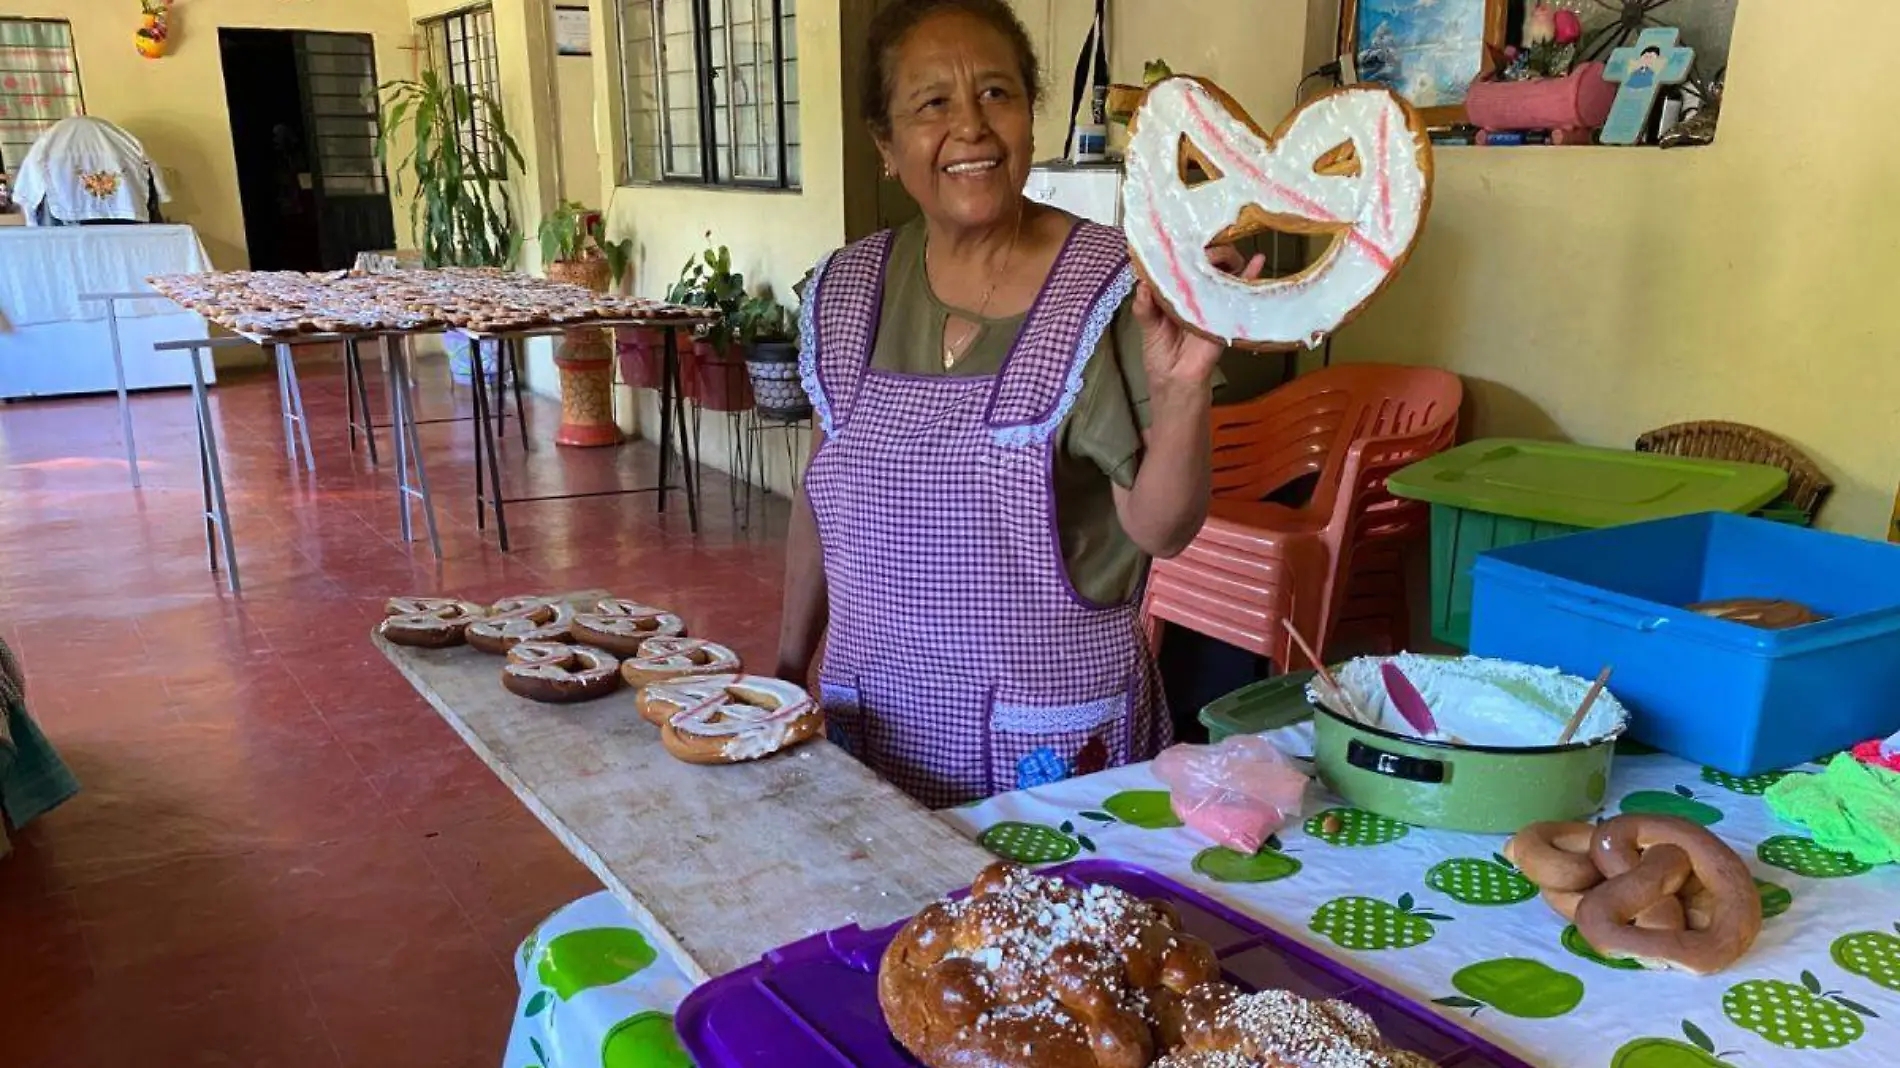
x=1097 y=447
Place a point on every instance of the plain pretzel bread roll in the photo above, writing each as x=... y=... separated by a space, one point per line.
x=1648 y=861
x=557 y=673
x=667 y=659
x=621 y=627
x=1034 y=972
x=728 y=719
x=427 y=622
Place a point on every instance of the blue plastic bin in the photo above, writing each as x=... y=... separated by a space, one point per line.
x=1734 y=697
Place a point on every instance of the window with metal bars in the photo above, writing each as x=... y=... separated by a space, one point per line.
x=39 y=83
x=711 y=91
x=462 y=52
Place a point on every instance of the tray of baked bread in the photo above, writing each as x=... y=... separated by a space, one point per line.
x=1093 y=964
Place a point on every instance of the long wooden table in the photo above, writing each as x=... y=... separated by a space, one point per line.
x=725 y=862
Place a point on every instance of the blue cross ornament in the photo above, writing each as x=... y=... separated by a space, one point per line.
x=1643 y=69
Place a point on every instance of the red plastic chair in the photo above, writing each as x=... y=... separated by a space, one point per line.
x=1334 y=564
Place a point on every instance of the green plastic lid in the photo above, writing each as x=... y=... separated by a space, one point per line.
x=1581 y=486
x=1260 y=706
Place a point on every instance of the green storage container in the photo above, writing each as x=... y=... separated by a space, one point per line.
x=1500 y=492
x=1260 y=706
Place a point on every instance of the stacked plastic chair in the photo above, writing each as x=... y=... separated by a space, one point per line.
x=1335 y=563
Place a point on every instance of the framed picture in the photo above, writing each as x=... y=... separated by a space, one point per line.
x=573 y=31
x=1430 y=51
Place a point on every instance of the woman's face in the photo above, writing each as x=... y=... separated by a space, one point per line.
x=962 y=128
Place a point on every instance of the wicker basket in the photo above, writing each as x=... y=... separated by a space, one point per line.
x=1808 y=488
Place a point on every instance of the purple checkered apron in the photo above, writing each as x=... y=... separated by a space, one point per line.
x=960 y=661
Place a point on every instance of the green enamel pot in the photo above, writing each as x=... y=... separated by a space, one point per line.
x=1474 y=788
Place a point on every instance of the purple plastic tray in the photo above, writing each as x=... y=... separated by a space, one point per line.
x=813 y=1004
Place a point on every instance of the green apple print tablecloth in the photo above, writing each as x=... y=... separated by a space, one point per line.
x=1439 y=917
x=595 y=993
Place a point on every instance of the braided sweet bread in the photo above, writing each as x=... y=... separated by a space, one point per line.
x=1223 y=1028
x=1032 y=972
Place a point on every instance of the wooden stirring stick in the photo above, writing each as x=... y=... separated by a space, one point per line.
x=1576 y=718
x=1351 y=708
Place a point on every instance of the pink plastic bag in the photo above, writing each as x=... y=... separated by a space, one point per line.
x=1237 y=793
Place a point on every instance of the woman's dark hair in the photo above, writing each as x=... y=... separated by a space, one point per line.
x=895 y=22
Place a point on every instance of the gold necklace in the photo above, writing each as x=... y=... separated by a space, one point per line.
x=953 y=353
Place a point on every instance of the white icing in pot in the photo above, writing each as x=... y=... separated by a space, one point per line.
x=1497 y=703
x=1374 y=214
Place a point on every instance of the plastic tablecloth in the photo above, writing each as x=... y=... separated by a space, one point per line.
x=1435 y=915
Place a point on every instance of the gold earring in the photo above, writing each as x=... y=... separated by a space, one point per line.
x=888 y=172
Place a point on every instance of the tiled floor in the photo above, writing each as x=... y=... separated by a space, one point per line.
x=281 y=855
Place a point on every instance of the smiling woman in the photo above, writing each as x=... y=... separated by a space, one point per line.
x=1009 y=428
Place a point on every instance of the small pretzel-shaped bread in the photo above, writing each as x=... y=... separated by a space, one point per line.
x=620 y=627
x=1659 y=890
x=667 y=659
x=1728 y=898
x=427 y=622
x=514 y=620
x=558 y=673
x=726 y=719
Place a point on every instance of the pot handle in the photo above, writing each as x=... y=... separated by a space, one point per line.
x=1603 y=612
x=1394 y=765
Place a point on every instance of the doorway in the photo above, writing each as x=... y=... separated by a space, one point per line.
x=304 y=126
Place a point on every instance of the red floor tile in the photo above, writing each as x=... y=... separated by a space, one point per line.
x=282 y=856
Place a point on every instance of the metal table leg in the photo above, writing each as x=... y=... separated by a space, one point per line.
x=391 y=371
x=687 y=474
x=406 y=428
x=296 y=406
x=485 y=452
x=211 y=475
x=511 y=352
x=125 y=404
x=356 y=395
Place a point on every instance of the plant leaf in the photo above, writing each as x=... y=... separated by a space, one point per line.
x=1273 y=843
x=1502 y=859
x=539 y=1053
x=1090 y=846
x=1099 y=817
x=1405 y=902
x=1698 y=1037
x=1458 y=1003
x=538 y=1003
x=1068 y=827
x=1684 y=791
x=1433 y=916
x=1808 y=980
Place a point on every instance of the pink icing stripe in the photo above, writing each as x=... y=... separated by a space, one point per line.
x=1311 y=207
x=1181 y=280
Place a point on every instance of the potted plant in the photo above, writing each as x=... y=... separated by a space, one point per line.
x=462 y=214
x=575 y=250
x=769 y=331
x=714 y=374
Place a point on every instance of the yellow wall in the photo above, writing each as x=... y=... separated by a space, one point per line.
x=176 y=105
x=1596 y=293
x=1255 y=49
x=580 y=156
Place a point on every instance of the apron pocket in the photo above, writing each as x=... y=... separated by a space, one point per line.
x=844 y=715
x=1034 y=745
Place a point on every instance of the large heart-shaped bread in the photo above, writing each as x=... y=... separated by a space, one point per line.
x=1354 y=164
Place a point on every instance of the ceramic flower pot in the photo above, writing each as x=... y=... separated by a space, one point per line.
x=642 y=355
x=586 y=363
x=773 y=369
x=719 y=378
